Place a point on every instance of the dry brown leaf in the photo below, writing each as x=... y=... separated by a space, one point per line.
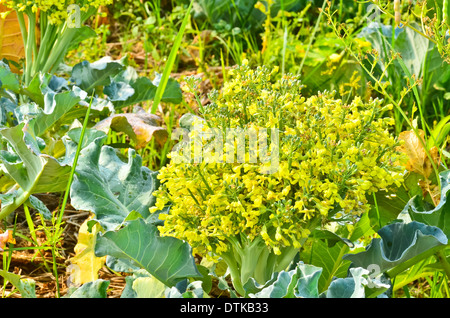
x=414 y=149
x=140 y=126
x=432 y=189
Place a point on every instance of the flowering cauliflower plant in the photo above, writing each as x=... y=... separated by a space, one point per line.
x=57 y=10
x=60 y=24
x=331 y=155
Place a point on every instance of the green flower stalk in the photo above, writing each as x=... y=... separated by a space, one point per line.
x=331 y=155
x=58 y=31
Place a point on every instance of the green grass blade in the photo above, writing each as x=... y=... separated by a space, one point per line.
x=170 y=61
x=313 y=36
x=66 y=194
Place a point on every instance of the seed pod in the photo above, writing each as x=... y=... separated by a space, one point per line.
x=444 y=11
x=397 y=12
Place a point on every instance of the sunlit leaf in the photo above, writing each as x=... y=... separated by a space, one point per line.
x=6 y=237
x=33 y=171
x=418 y=159
x=398 y=243
x=166 y=258
x=88 y=76
x=110 y=187
x=26 y=287
x=95 y=289
x=11 y=42
x=140 y=126
x=86 y=264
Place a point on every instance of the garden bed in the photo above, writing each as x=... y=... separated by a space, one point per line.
x=117 y=178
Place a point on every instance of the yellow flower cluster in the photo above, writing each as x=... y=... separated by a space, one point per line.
x=331 y=155
x=56 y=9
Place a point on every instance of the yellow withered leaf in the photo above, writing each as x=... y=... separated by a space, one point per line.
x=6 y=237
x=413 y=147
x=11 y=42
x=141 y=127
x=85 y=265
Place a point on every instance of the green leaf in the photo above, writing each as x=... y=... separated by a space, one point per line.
x=82 y=33
x=149 y=287
x=128 y=89
x=330 y=260
x=32 y=171
x=8 y=79
x=358 y=284
x=440 y=133
x=88 y=76
x=399 y=243
x=299 y=282
x=61 y=104
x=183 y=290
x=416 y=271
x=113 y=189
x=303 y=282
x=40 y=207
x=8 y=105
x=95 y=289
x=239 y=13
x=35 y=172
x=330 y=237
x=386 y=206
x=118 y=91
x=362 y=228
x=26 y=287
x=206 y=278
x=72 y=138
x=172 y=92
x=43 y=87
x=110 y=187
x=438 y=216
x=164 y=82
x=328 y=248
x=128 y=291
x=54 y=98
x=419 y=58
x=166 y=258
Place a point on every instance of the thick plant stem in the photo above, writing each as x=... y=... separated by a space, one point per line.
x=59 y=49
x=23 y=27
x=442 y=259
x=250 y=255
x=234 y=272
x=30 y=47
x=45 y=47
x=253 y=259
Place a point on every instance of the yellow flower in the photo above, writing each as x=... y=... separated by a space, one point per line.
x=258 y=201
x=272 y=122
x=332 y=154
